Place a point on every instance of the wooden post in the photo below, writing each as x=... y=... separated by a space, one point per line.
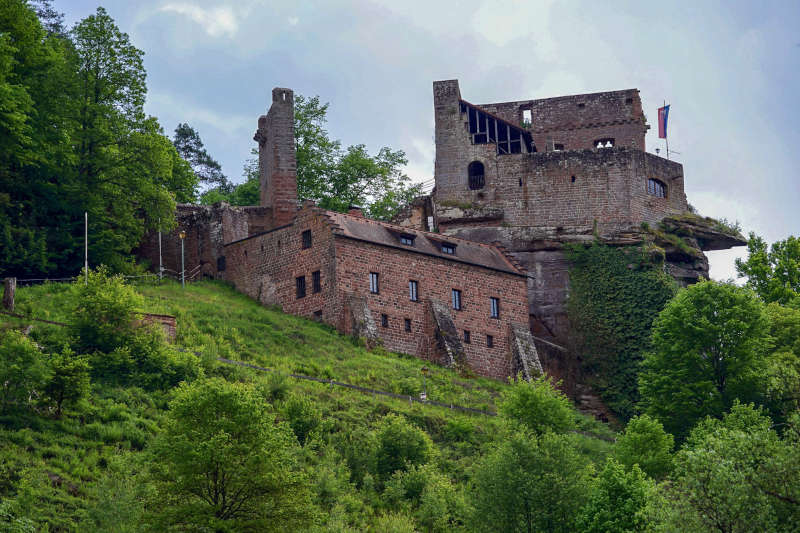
x=9 y=287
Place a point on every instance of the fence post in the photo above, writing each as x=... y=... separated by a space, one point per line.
x=9 y=287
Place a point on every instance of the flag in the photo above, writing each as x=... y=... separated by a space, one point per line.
x=663 y=113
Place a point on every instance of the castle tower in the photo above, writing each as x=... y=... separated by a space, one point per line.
x=276 y=157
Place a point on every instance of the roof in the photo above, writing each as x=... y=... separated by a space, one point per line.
x=426 y=243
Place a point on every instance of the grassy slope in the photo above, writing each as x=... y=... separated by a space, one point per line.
x=214 y=319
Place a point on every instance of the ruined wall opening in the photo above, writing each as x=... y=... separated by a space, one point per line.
x=656 y=188
x=476 y=175
x=607 y=142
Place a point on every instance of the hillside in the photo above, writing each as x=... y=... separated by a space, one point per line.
x=74 y=465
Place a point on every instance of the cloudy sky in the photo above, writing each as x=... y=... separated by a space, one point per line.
x=730 y=70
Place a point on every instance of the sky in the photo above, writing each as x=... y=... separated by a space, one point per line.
x=730 y=71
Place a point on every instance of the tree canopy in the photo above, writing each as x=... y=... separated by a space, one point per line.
x=772 y=271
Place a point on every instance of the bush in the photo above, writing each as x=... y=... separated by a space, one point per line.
x=69 y=382
x=303 y=416
x=434 y=501
x=645 y=443
x=617 y=500
x=538 y=406
x=23 y=369
x=106 y=313
x=400 y=445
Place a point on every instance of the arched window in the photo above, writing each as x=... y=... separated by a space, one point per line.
x=656 y=188
x=475 y=172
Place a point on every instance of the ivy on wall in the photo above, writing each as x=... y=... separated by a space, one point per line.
x=615 y=294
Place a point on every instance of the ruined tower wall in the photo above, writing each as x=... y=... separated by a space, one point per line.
x=276 y=157
x=577 y=121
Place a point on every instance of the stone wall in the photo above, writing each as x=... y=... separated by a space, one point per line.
x=276 y=157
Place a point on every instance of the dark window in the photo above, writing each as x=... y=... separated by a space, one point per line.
x=412 y=291
x=408 y=240
x=558 y=147
x=448 y=248
x=221 y=263
x=475 y=173
x=385 y=320
x=495 y=307
x=629 y=100
x=300 y=285
x=489 y=341
x=374 y=288
x=318 y=314
x=316 y=281
x=456 y=299
x=408 y=324
x=466 y=337
x=656 y=188
x=307 y=239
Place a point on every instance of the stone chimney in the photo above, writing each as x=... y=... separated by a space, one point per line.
x=276 y=157
x=355 y=211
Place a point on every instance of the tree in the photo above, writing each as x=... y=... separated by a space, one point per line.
x=709 y=346
x=646 y=444
x=538 y=406
x=774 y=271
x=190 y=147
x=69 y=382
x=529 y=483
x=400 y=445
x=223 y=463
x=23 y=369
x=617 y=500
x=735 y=475
x=782 y=374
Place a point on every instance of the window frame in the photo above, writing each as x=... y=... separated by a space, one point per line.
x=656 y=186
x=445 y=246
x=490 y=341
x=407 y=240
x=407 y=324
x=494 y=307
x=413 y=290
x=467 y=337
x=455 y=297
x=316 y=282
x=374 y=283
x=300 y=287
x=384 y=320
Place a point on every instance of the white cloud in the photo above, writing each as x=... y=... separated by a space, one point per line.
x=293 y=21
x=216 y=21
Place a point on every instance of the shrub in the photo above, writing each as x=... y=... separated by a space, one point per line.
x=400 y=444
x=617 y=500
x=645 y=443
x=23 y=369
x=303 y=416
x=69 y=382
x=538 y=406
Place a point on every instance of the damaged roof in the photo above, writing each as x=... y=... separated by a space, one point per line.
x=385 y=234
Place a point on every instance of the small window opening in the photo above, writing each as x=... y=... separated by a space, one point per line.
x=221 y=263
x=316 y=281
x=448 y=248
x=604 y=143
x=412 y=290
x=656 y=188
x=318 y=314
x=520 y=182
x=408 y=240
x=629 y=101
x=581 y=105
x=466 y=337
x=384 y=320
x=408 y=324
x=476 y=175
x=527 y=116
x=307 y=239
x=558 y=147
x=489 y=341
x=374 y=288
x=494 y=307
x=300 y=286
x=456 y=295
x=572 y=179
x=245 y=253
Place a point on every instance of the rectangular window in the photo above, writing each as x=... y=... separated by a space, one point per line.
x=495 y=307
x=412 y=291
x=307 y=239
x=408 y=324
x=408 y=240
x=457 y=299
x=466 y=337
x=385 y=321
x=448 y=248
x=489 y=341
x=374 y=288
x=300 y=285
x=316 y=281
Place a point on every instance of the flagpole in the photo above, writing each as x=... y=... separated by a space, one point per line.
x=666 y=134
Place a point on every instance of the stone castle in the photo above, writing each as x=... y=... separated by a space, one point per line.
x=474 y=273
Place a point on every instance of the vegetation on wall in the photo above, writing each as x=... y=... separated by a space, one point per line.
x=615 y=293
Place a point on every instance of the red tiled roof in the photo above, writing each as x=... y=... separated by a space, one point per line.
x=385 y=234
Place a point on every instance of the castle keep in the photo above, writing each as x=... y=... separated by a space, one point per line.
x=473 y=274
